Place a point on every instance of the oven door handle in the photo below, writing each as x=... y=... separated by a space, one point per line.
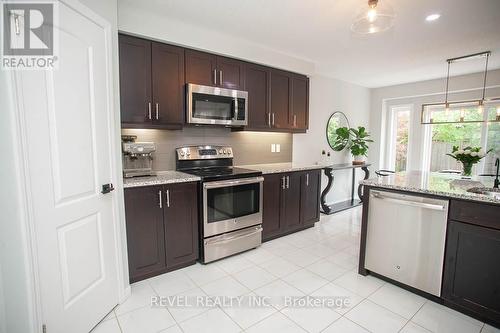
x=230 y=239
x=227 y=183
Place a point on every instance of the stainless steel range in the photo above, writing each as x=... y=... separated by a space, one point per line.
x=231 y=213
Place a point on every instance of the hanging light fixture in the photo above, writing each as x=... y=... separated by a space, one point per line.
x=463 y=111
x=376 y=17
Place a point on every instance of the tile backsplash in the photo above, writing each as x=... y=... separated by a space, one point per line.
x=248 y=147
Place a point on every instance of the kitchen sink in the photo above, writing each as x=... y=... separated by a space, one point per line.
x=488 y=191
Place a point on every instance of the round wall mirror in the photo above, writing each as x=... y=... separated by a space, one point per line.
x=337 y=120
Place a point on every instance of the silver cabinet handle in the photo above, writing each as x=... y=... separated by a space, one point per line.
x=160 y=197
x=220 y=77
x=295 y=120
x=273 y=118
x=226 y=183
x=157 y=111
x=149 y=110
x=269 y=119
x=287 y=182
x=215 y=76
x=307 y=179
x=283 y=182
x=168 y=198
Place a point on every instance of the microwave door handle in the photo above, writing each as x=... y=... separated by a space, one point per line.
x=236 y=108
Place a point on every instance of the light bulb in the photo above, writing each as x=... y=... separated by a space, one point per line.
x=371 y=15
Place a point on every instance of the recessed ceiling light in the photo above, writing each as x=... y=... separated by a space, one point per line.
x=432 y=17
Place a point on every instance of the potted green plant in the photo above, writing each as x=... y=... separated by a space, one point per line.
x=468 y=157
x=356 y=139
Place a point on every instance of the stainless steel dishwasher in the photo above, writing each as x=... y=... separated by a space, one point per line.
x=406 y=238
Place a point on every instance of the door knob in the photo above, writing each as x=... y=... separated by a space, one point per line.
x=106 y=188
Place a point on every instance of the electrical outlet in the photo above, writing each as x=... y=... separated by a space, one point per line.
x=278 y=148
x=273 y=148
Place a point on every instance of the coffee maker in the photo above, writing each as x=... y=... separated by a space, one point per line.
x=137 y=157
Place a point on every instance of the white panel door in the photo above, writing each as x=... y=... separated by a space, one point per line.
x=67 y=116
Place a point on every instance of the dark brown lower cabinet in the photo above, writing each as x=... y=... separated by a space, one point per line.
x=310 y=188
x=161 y=228
x=291 y=202
x=471 y=277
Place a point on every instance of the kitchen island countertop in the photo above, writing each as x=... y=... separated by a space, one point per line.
x=161 y=178
x=445 y=185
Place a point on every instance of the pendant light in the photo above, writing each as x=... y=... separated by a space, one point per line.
x=378 y=16
x=470 y=111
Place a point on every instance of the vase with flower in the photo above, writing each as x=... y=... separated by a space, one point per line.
x=468 y=156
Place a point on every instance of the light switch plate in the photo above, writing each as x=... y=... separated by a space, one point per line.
x=273 y=148
x=278 y=148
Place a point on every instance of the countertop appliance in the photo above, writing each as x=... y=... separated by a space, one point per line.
x=231 y=210
x=216 y=106
x=406 y=239
x=137 y=158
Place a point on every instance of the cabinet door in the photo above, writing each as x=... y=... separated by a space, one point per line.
x=309 y=200
x=272 y=206
x=168 y=84
x=280 y=99
x=472 y=272
x=135 y=80
x=231 y=73
x=181 y=223
x=300 y=102
x=257 y=85
x=291 y=204
x=145 y=232
x=201 y=68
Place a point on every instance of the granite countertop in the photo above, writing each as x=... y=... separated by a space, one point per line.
x=445 y=185
x=268 y=168
x=162 y=177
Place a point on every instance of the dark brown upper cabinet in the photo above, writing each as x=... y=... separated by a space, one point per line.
x=257 y=79
x=168 y=84
x=151 y=84
x=211 y=70
x=280 y=99
x=135 y=80
x=299 y=114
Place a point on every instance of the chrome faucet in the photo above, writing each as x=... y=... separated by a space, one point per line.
x=497 y=164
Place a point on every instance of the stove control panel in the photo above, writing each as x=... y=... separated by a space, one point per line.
x=204 y=152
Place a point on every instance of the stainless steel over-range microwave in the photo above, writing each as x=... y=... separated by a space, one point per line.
x=216 y=106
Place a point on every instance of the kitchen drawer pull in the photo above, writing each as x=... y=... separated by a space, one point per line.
x=226 y=183
x=168 y=198
x=409 y=202
x=160 y=197
x=307 y=179
x=283 y=182
x=230 y=239
x=287 y=181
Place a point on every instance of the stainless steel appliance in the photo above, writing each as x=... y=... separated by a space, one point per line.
x=231 y=210
x=137 y=158
x=216 y=106
x=406 y=239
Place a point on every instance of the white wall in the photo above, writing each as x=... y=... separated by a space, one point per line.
x=461 y=88
x=137 y=19
x=328 y=95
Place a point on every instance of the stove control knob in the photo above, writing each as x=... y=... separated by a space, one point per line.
x=221 y=151
x=229 y=151
x=182 y=153
x=225 y=151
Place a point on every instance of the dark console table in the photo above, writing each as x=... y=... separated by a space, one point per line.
x=337 y=207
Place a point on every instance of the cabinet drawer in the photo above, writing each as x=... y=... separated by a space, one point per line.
x=482 y=214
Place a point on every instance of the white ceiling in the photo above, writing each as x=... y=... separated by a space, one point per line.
x=319 y=31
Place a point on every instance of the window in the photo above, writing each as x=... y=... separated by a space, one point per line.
x=443 y=137
x=399 y=137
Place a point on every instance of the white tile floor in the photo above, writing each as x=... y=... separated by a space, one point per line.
x=317 y=263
